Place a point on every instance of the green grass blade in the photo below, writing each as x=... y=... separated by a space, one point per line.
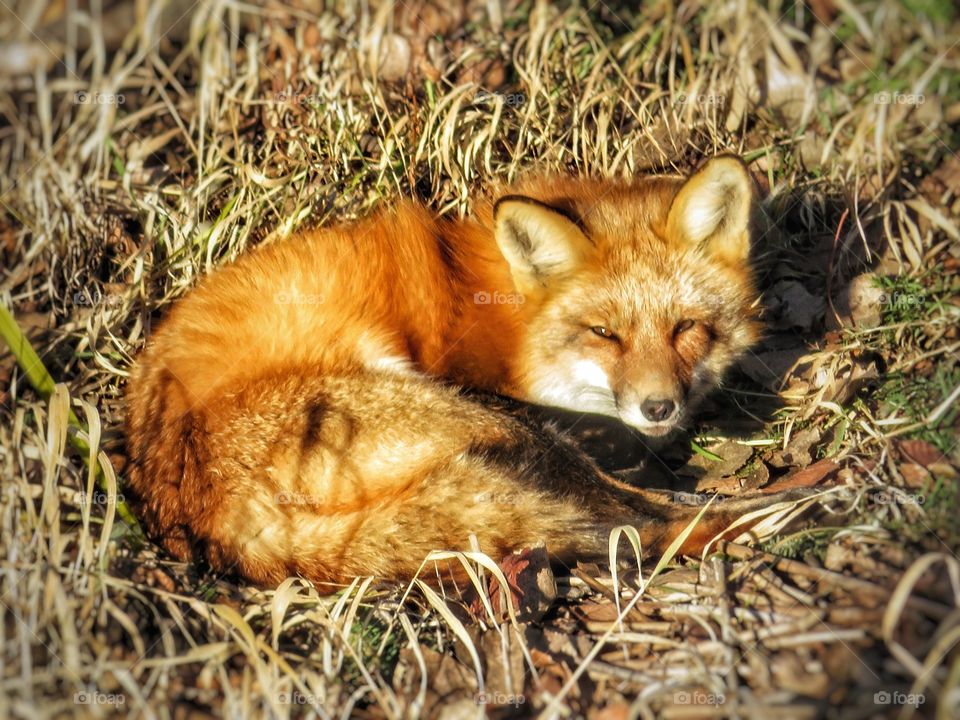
x=703 y=451
x=40 y=379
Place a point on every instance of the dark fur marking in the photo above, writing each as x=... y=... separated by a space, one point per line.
x=521 y=238
x=316 y=413
x=542 y=460
x=448 y=256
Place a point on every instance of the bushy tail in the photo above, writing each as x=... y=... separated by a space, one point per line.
x=662 y=517
x=166 y=454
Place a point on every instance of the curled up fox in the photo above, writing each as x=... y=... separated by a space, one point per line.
x=305 y=410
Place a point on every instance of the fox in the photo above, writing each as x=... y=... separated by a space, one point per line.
x=316 y=407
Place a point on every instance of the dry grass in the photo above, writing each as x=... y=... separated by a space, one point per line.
x=142 y=145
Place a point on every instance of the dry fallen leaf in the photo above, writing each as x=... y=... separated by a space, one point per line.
x=505 y=664
x=734 y=456
x=797 y=452
x=914 y=475
x=533 y=588
x=920 y=451
x=791 y=673
x=807 y=477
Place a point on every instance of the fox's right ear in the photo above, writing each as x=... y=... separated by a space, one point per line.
x=712 y=210
x=539 y=242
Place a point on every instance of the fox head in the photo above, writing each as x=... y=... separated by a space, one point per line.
x=637 y=296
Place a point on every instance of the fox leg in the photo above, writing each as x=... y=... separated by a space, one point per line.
x=365 y=474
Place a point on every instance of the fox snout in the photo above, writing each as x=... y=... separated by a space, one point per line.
x=657 y=409
x=651 y=401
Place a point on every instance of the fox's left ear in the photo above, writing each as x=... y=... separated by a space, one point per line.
x=538 y=241
x=712 y=210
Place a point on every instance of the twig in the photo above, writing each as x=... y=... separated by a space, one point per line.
x=821 y=576
x=830 y=267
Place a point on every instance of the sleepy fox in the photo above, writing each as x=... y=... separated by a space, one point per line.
x=304 y=410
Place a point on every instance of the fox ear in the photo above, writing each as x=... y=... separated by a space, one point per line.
x=539 y=242
x=712 y=210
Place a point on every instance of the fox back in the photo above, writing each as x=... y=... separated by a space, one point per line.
x=300 y=410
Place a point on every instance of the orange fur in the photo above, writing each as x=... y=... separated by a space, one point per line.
x=299 y=411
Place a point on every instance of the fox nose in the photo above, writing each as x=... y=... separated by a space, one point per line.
x=657 y=410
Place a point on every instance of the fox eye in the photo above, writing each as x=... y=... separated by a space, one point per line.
x=683 y=326
x=604 y=332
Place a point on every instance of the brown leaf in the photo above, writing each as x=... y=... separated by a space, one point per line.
x=920 y=451
x=797 y=452
x=839 y=557
x=723 y=486
x=158 y=578
x=844 y=386
x=792 y=674
x=946 y=177
x=734 y=455
x=541 y=659
x=807 y=477
x=756 y=476
x=532 y=586
x=914 y=475
x=824 y=10
x=505 y=670
x=447 y=677
x=487 y=72
x=427 y=18
x=597 y=612
x=553 y=673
